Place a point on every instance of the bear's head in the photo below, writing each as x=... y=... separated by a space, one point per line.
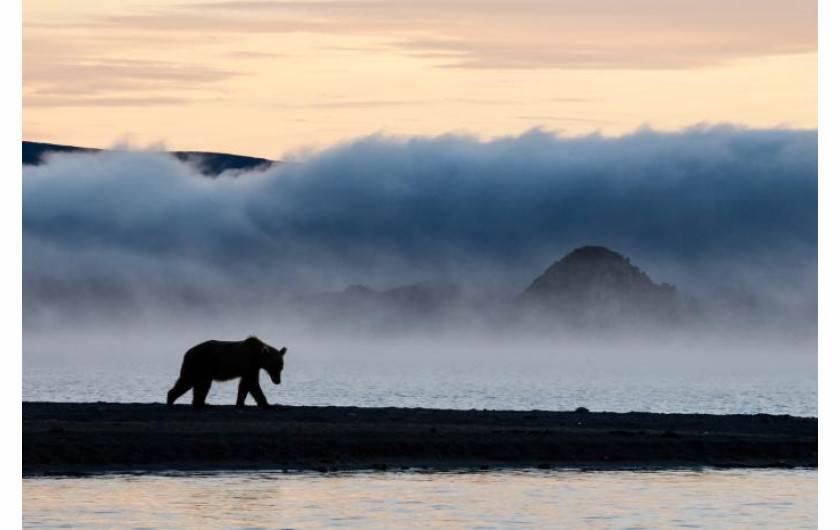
x=272 y=362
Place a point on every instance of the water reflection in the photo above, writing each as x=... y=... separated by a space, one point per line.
x=495 y=499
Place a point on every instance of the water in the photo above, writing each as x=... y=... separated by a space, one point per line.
x=142 y=369
x=450 y=385
x=494 y=499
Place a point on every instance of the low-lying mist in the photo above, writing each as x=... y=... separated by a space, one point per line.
x=398 y=243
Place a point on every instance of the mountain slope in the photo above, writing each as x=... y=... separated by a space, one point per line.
x=210 y=164
x=595 y=285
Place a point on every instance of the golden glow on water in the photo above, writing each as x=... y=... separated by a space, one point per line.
x=265 y=78
x=568 y=499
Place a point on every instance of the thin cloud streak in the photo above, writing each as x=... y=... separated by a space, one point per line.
x=60 y=80
x=93 y=76
x=376 y=103
x=61 y=101
x=560 y=118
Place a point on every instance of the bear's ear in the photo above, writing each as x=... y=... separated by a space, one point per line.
x=283 y=351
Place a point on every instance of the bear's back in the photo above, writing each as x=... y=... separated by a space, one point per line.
x=221 y=360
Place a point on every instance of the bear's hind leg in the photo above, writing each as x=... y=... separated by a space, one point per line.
x=181 y=387
x=200 y=390
x=242 y=393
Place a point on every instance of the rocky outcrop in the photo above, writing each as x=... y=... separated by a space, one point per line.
x=595 y=285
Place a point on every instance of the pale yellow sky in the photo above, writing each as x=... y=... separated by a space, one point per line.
x=266 y=78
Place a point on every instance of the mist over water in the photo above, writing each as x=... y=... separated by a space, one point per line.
x=131 y=257
x=661 y=374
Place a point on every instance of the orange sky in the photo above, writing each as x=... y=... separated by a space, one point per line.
x=267 y=78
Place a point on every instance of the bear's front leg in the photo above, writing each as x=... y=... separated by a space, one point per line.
x=243 y=392
x=257 y=392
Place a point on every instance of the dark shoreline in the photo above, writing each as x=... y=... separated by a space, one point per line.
x=82 y=438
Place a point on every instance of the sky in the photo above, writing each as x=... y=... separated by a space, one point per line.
x=270 y=78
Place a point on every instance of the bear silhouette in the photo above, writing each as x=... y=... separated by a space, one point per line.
x=216 y=360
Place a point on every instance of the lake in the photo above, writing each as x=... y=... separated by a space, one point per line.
x=491 y=499
x=502 y=386
x=716 y=382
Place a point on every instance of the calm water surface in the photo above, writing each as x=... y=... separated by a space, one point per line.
x=494 y=499
x=768 y=390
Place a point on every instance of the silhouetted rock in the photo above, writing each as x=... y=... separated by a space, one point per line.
x=595 y=285
x=210 y=164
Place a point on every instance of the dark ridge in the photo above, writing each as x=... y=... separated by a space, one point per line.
x=598 y=285
x=210 y=164
x=424 y=294
x=33 y=152
x=61 y=438
x=361 y=307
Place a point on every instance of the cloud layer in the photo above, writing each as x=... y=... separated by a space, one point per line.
x=707 y=207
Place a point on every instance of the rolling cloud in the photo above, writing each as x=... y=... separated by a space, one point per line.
x=706 y=207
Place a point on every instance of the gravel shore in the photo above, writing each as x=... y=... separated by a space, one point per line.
x=74 y=438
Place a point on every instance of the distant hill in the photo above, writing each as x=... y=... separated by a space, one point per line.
x=595 y=285
x=358 y=306
x=210 y=164
x=419 y=297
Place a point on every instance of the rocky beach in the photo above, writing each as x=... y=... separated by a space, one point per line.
x=80 y=438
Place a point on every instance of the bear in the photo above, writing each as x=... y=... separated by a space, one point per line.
x=216 y=360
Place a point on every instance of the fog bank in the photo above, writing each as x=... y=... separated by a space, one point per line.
x=722 y=212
